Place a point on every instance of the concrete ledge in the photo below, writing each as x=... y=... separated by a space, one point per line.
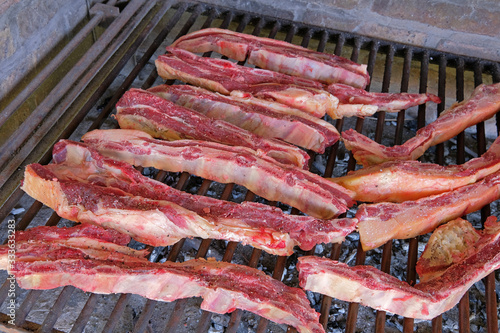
x=467 y=28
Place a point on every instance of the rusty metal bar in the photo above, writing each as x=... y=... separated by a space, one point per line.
x=460 y=97
x=386 y=252
x=143 y=61
x=351 y=164
x=46 y=115
x=385 y=88
x=405 y=81
x=56 y=309
x=413 y=243
x=463 y=305
x=424 y=76
x=353 y=308
x=326 y=301
x=441 y=93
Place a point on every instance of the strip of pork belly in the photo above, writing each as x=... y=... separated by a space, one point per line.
x=398 y=181
x=296 y=187
x=265 y=118
x=224 y=76
x=374 y=288
x=223 y=286
x=381 y=222
x=356 y=102
x=277 y=232
x=482 y=105
x=276 y=55
x=161 y=118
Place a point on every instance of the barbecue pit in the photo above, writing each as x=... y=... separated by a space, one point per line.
x=124 y=44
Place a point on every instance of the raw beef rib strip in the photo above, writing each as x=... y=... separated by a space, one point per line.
x=106 y=243
x=399 y=181
x=483 y=104
x=223 y=286
x=224 y=77
x=83 y=197
x=374 y=288
x=276 y=55
x=379 y=223
x=306 y=191
x=265 y=118
x=153 y=222
x=260 y=225
x=361 y=103
x=161 y=118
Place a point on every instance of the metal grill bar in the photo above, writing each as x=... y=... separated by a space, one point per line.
x=377 y=53
x=40 y=121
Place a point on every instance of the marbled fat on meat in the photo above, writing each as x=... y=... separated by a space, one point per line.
x=262 y=117
x=361 y=103
x=259 y=225
x=224 y=77
x=398 y=181
x=223 y=286
x=381 y=222
x=276 y=55
x=304 y=190
x=482 y=105
x=161 y=118
x=376 y=289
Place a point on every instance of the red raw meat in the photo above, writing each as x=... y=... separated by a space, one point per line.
x=361 y=103
x=299 y=188
x=224 y=77
x=251 y=223
x=161 y=118
x=399 y=181
x=376 y=289
x=262 y=117
x=223 y=286
x=381 y=222
x=482 y=105
x=276 y=55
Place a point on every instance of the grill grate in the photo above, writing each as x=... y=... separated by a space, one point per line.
x=122 y=57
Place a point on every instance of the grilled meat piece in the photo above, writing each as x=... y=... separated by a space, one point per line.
x=426 y=300
x=265 y=118
x=142 y=110
x=381 y=222
x=356 y=102
x=296 y=187
x=224 y=287
x=277 y=56
x=482 y=105
x=224 y=77
x=398 y=181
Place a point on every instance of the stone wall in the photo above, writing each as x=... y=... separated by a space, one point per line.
x=29 y=30
x=470 y=28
